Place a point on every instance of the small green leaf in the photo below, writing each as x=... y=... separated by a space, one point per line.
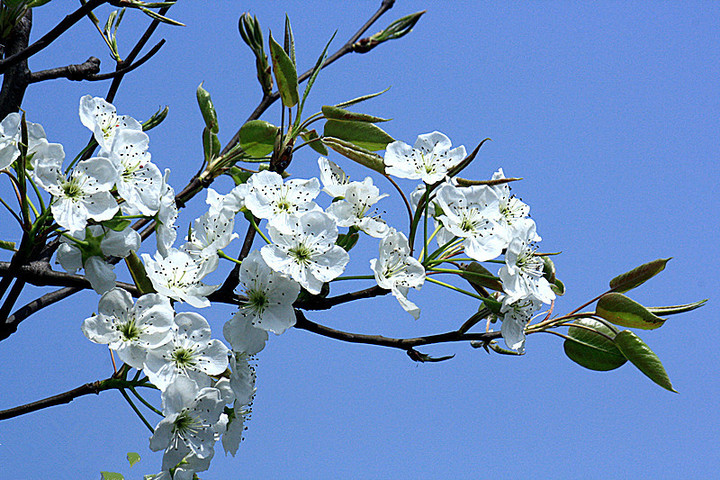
x=313 y=140
x=548 y=268
x=257 y=138
x=493 y=305
x=618 y=309
x=643 y=358
x=424 y=357
x=138 y=273
x=111 y=476
x=503 y=351
x=364 y=135
x=673 y=309
x=7 y=245
x=479 y=276
x=133 y=458
x=347 y=241
x=558 y=287
x=289 y=43
x=360 y=99
x=590 y=349
x=156 y=119
x=638 y=276
x=332 y=112
x=238 y=175
x=357 y=154
x=311 y=80
x=117 y=224
x=207 y=109
x=285 y=74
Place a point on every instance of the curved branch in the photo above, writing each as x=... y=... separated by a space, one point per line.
x=400 y=343
x=51 y=36
x=59 y=399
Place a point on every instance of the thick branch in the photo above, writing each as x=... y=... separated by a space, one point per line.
x=41 y=275
x=77 y=72
x=15 y=80
x=49 y=37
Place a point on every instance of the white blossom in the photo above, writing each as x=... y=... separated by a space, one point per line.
x=177 y=275
x=210 y=233
x=515 y=317
x=100 y=117
x=270 y=295
x=165 y=228
x=131 y=330
x=304 y=248
x=190 y=353
x=96 y=245
x=85 y=195
x=352 y=210
x=397 y=271
x=430 y=159
x=272 y=199
x=333 y=178
x=233 y=201
x=10 y=138
x=522 y=274
x=243 y=336
x=472 y=213
x=513 y=212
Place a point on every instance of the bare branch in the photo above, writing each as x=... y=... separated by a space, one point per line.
x=76 y=72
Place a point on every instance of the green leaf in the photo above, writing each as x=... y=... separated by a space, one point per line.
x=479 y=276
x=117 y=224
x=314 y=142
x=558 y=287
x=138 y=273
x=156 y=119
x=111 y=476
x=360 y=99
x=492 y=305
x=357 y=154
x=590 y=349
x=336 y=113
x=364 y=135
x=643 y=358
x=7 y=245
x=673 y=309
x=133 y=458
x=548 y=268
x=503 y=351
x=207 y=109
x=618 y=309
x=311 y=80
x=347 y=241
x=257 y=138
x=638 y=276
x=289 y=43
x=285 y=74
x=238 y=175
x=424 y=357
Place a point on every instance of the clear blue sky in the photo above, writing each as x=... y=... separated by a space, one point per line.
x=610 y=112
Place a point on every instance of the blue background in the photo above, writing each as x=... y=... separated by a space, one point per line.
x=610 y=112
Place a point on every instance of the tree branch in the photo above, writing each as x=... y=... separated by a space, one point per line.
x=400 y=343
x=51 y=36
x=76 y=72
x=15 y=80
x=59 y=399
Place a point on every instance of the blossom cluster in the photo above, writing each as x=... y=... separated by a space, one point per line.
x=207 y=387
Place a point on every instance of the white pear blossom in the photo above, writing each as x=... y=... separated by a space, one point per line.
x=513 y=212
x=304 y=248
x=10 y=138
x=430 y=159
x=95 y=245
x=100 y=117
x=515 y=317
x=522 y=275
x=272 y=199
x=472 y=213
x=210 y=233
x=131 y=330
x=190 y=353
x=270 y=296
x=178 y=276
x=85 y=195
x=165 y=228
x=397 y=271
x=139 y=181
x=188 y=427
x=333 y=178
x=242 y=382
x=233 y=201
x=352 y=210
x=243 y=336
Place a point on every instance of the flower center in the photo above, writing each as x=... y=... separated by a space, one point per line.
x=71 y=189
x=257 y=300
x=301 y=254
x=130 y=331
x=183 y=357
x=185 y=424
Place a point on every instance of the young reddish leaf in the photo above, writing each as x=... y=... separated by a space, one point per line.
x=643 y=358
x=638 y=276
x=618 y=309
x=591 y=349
